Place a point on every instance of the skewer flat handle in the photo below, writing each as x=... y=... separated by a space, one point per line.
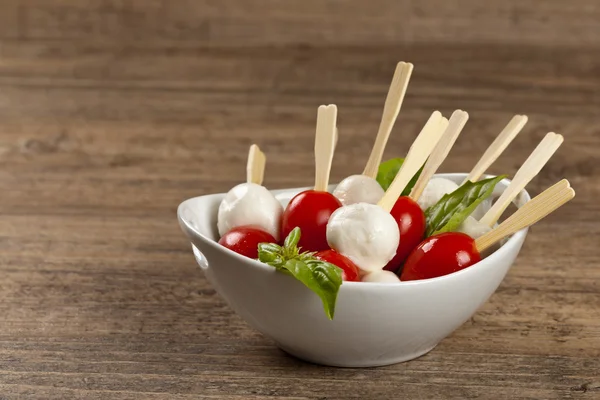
x=393 y=102
x=440 y=152
x=255 y=168
x=325 y=142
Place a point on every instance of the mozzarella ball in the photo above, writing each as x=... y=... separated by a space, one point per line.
x=250 y=204
x=358 y=189
x=365 y=233
x=473 y=228
x=382 y=276
x=476 y=229
x=482 y=208
x=436 y=189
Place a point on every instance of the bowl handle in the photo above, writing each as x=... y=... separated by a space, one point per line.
x=200 y=258
x=192 y=236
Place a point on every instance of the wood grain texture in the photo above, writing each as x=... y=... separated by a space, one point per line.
x=330 y=22
x=113 y=112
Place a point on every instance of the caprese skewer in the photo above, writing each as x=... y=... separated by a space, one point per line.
x=310 y=210
x=249 y=214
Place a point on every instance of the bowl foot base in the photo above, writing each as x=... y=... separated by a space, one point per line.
x=357 y=363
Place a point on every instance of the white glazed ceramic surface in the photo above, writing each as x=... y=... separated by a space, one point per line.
x=375 y=323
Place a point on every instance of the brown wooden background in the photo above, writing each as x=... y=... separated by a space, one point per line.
x=112 y=112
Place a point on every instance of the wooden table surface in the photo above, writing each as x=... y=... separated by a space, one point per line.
x=113 y=112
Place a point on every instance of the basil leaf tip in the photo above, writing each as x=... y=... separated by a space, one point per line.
x=321 y=277
x=293 y=238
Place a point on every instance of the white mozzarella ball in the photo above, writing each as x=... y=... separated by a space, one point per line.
x=250 y=204
x=436 y=189
x=358 y=189
x=482 y=208
x=365 y=233
x=473 y=228
x=381 y=276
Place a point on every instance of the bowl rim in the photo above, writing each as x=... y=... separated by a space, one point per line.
x=497 y=254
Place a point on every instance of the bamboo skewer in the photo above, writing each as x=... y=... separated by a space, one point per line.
x=534 y=210
x=510 y=131
x=416 y=157
x=335 y=141
x=393 y=102
x=532 y=166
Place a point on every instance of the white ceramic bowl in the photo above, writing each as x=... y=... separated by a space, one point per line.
x=375 y=323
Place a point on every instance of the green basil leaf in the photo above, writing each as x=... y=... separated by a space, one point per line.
x=270 y=253
x=269 y=247
x=388 y=170
x=321 y=277
x=293 y=238
x=452 y=209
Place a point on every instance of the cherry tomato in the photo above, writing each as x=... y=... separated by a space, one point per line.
x=440 y=255
x=244 y=240
x=411 y=222
x=349 y=269
x=310 y=211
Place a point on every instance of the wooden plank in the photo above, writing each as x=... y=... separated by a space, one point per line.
x=204 y=368
x=331 y=22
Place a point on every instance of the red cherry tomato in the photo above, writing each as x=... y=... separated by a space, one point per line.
x=411 y=222
x=310 y=211
x=440 y=255
x=244 y=240
x=349 y=269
